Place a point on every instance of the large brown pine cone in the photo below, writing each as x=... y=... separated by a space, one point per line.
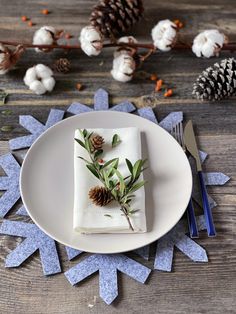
x=114 y=17
x=100 y=196
x=217 y=82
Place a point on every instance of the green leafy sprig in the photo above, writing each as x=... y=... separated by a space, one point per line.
x=121 y=188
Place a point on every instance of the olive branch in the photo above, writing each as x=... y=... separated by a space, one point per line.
x=120 y=188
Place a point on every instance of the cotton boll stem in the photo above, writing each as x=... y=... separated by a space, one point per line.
x=231 y=46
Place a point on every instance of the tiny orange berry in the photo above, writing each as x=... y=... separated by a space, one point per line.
x=45 y=11
x=168 y=93
x=153 y=77
x=101 y=161
x=24 y=18
x=30 y=23
x=158 y=85
x=176 y=22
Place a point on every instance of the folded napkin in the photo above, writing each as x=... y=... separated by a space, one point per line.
x=89 y=218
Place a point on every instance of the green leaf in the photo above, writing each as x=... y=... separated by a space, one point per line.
x=111 y=184
x=137 y=186
x=121 y=180
x=93 y=170
x=98 y=153
x=115 y=140
x=3 y=97
x=131 y=195
x=133 y=211
x=128 y=177
x=85 y=160
x=80 y=142
x=81 y=133
x=7 y=112
x=114 y=194
x=105 y=176
x=107 y=215
x=6 y=128
x=90 y=134
x=85 y=132
x=87 y=145
x=137 y=168
x=111 y=162
x=129 y=165
x=112 y=168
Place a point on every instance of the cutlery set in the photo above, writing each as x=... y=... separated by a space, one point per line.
x=187 y=140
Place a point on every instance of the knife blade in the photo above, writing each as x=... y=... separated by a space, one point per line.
x=191 y=145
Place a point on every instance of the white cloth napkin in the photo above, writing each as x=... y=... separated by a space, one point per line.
x=89 y=218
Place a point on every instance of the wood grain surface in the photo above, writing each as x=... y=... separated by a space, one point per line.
x=191 y=287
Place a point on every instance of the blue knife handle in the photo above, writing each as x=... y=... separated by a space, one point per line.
x=206 y=207
x=192 y=224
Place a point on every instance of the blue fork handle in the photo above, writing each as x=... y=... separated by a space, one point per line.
x=206 y=207
x=192 y=224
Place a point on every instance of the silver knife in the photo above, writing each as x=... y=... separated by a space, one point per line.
x=191 y=145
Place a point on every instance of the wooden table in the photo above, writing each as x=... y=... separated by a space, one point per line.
x=191 y=287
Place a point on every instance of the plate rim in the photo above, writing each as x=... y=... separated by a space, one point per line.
x=97 y=251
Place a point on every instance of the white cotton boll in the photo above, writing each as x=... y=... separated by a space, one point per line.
x=127 y=40
x=3 y=71
x=30 y=76
x=123 y=68
x=49 y=83
x=43 y=71
x=3 y=48
x=91 y=41
x=37 y=87
x=3 y=58
x=44 y=36
x=40 y=79
x=164 y=35
x=208 y=43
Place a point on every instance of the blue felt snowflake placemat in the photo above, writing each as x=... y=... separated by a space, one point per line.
x=34 y=239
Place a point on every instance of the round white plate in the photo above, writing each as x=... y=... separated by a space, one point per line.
x=46 y=182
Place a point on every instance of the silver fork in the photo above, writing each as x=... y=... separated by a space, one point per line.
x=177 y=133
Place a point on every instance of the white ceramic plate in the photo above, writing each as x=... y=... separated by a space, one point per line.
x=46 y=182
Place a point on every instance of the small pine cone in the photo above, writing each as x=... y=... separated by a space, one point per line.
x=62 y=65
x=216 y=82
x=113 y=17
x=100 y=196
x=97 y=141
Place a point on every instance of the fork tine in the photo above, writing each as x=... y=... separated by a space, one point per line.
x=172 y=130
x=182 y=135
x=178 y=133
